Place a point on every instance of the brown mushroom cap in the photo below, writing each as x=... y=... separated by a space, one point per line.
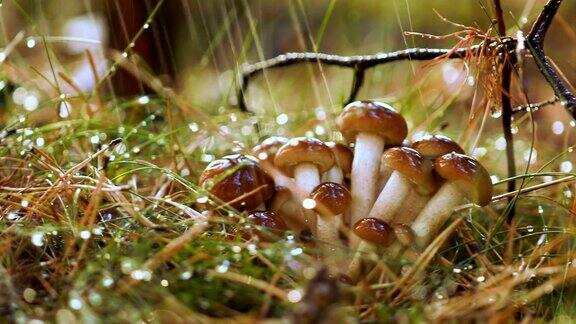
x=266 y=151
x=331 y=199
x=374 y=231
x=433 y=146
x=237 y=179
x=343 y=156
x=304 y=150
x=411 y=165
x=266 y=219
x=468 y=174
x=404 y=234
x=372 y=117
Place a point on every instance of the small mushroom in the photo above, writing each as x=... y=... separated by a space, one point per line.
x=332 y=200
x=373 y=232
x=285 y=206
x=238 y=181
x=343 y=156
x=305 y=159
x=385 y=172
x=411 y=173
x=266 y=220
x=266 y=152
x=431 y=147
x=465 y=179
x=370 y=125
x=434 y=146
x=267 y=149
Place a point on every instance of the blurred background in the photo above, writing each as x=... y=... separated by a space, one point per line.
x=195 y=48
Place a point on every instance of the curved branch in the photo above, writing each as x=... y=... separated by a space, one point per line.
x=356 y=62
x=535 y=42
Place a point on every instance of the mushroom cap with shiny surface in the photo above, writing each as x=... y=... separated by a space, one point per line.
x=267 y=149
x=413 y=166
x=375 y=231
x=372 y=117
x=237 y=179
x=331 y=199
x=304 y=150
x=267 y=220
x=468 y=174
x=434 y=146
x=343 y=156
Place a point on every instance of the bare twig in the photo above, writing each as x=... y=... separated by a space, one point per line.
x=534 y=106
x=535 y=42
x=360 y=63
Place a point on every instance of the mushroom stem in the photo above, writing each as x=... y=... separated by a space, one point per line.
x=412 y=206
x=287 y=208
x=365 y=167
x=328 y=235
x=436 y=213
x=335 y=175
x=364 y=250
x=383 y=176
x=307 y=177
x=390 y=199
x=328 y=231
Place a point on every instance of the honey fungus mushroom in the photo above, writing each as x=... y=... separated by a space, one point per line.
x=305 y=159
x=374 y=233
x=263 y=223
x=331 y=201
x=430 y=147
x=237 y=180
x=343 y=157
x=370 y=125
x=465 y=179
x=411 y=172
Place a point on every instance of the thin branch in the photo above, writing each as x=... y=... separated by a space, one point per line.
x=507 y=107
x=535 y=42
x=534 y=106
x=360 y=63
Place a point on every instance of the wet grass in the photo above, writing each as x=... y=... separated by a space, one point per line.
x=101 y=218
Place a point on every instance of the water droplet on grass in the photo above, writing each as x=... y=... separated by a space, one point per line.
x=294 y=296
x=37 y=238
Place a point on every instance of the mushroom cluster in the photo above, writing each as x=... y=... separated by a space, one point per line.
x=384 y=194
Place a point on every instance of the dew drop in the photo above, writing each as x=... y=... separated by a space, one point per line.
x=144 y=100
x=185 y=275
x=223 y=267
x=566 y=166
x=500 y=144
x=75 y=303
x=296 y=251
x=282 y=119
x=294 y=296
x=85 y=234
x=37 y=238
